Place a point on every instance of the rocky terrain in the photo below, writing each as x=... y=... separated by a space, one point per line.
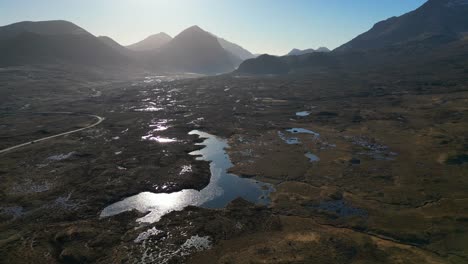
x=385 y=182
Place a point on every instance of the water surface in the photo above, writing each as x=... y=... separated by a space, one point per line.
x=302 y=131
x=303 y=113
x=222 y=189
x=312 y=157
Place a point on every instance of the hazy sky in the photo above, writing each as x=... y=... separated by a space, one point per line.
x=261 y=26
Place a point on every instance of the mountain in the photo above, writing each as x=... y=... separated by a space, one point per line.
x=310 y=62
x=297 y=52
x=323 y=49
x=62 y=42
x=235 y=49
x=49 y=28
x=152 y=42
x=447 y=19
x=264 y=64
x=114 y=45
x=195 y=50
x=432 y=34
x=52 y=42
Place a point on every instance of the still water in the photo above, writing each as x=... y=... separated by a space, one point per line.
x=222 y=189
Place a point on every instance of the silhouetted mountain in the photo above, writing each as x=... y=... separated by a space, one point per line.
x=446 y=18
x=235 y=49
x=323 y=49
x=264 y=64
x=54 y=27
x=152 y=42
x=62 y=42
x=408 y=57
x=195 y=50
x=53 y=42
x=297 y=52
x=114 y=44
x=433 y=33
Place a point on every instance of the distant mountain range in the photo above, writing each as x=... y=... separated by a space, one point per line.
x=62 y=42
x=437 y=30
x=296 y=52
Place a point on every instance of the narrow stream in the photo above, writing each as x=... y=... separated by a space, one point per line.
x=222 y=189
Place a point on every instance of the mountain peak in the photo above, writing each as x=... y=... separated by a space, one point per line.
x=196 y=50
x=296 y=52
x=161 y=34
x=157 y=35
x=323 y=49
x=194 y=30
x=51 y=27
x=152 y=42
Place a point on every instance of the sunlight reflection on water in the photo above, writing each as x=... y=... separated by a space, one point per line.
x=222 y=189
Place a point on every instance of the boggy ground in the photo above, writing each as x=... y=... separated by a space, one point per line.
x=390 y=185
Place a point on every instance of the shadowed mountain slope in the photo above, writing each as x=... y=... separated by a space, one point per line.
x=152 y=42
x=115 y=45
x=446 y=18
x=195 y=50
x=235 y=49
x=432 y=33
x=51 y=42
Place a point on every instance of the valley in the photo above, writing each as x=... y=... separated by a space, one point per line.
x=368 y=186
x=188 y=148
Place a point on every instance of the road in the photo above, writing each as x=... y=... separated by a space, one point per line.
x=99 y=120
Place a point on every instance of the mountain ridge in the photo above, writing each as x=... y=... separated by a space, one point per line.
x=58 y=41
x=195 y=50
x=435 y=17
x=54 y=41
x=151 y=42
x=296 y=52
x=48 y=27
x=438 y=27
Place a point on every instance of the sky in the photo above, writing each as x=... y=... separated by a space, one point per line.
x=261 y=26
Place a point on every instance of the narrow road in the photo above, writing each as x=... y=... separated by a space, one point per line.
x=99 y=120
